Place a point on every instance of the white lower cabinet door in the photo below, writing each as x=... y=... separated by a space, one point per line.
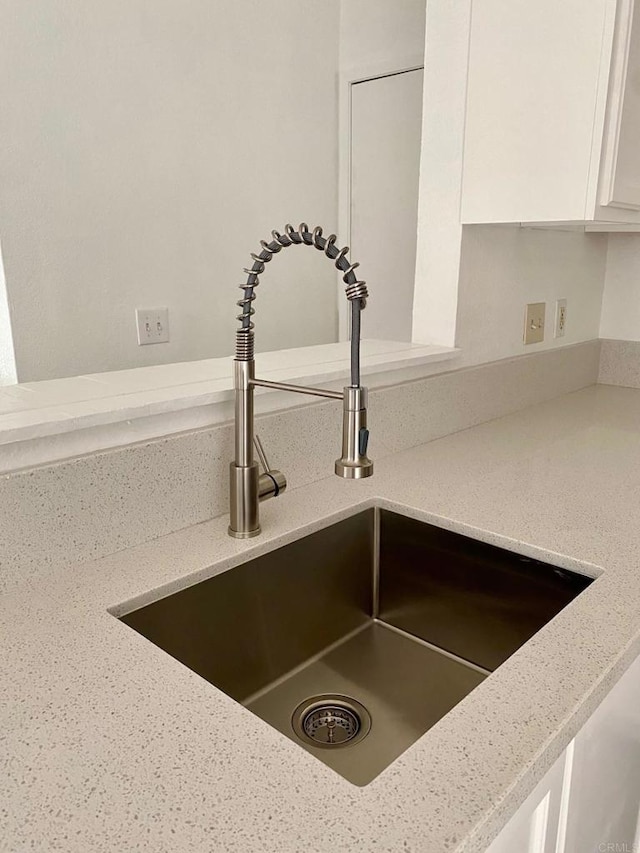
x=605 y=793
x=589 y=802
x=539 y=824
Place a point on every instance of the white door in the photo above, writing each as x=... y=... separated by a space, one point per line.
x=386 y=129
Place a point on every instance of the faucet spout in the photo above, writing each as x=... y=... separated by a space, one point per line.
x=246 y=489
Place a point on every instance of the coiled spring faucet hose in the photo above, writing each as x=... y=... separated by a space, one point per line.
x=356 y=291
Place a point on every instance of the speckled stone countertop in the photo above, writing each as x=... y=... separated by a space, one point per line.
x=108 y=744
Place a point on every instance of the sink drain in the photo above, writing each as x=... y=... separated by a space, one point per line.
x=330 y=721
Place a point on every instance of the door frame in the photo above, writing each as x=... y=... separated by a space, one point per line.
x=348 y=78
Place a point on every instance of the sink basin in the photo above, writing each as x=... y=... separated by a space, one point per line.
x=356 y=639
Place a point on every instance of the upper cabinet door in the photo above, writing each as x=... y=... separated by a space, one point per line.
x=552 y=117
x=533 y=85
x=621 y=164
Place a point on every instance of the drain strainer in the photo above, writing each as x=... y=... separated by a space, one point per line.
x=331 y=721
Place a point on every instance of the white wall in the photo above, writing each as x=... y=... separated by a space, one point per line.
x=149 y=155
x=621 y=302
x=380 y=32
x=502 y=268
x=152 y=144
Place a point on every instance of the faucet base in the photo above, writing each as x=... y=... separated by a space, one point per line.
x=245 y=522
x=237 y=534
x=354 y=470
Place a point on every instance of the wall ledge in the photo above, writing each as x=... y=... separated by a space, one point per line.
x=42 y=422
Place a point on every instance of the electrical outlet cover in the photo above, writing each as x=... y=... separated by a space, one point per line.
x=561 y=318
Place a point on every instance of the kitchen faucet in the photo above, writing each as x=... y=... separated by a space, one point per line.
x=247 y=486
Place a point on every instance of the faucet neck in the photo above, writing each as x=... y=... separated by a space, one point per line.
x=246 y=490
x=243 y=373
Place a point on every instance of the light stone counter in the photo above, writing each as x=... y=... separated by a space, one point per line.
x=108 y=744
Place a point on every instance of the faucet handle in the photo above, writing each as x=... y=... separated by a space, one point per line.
x=262 y=456
x=272 y=482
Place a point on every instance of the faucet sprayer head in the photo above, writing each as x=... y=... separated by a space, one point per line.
x=354 y=464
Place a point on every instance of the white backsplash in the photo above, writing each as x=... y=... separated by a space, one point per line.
x=620 y=363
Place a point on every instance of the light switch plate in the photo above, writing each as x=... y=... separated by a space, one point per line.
x=534 y=323
x=152 y=325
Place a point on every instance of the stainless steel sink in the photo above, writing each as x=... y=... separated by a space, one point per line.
x=355 y=640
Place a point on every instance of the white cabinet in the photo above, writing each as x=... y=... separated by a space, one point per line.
x=590 y=799
x=541 y=819
x=552 y=126
x=604 y=803
x=621 y=167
